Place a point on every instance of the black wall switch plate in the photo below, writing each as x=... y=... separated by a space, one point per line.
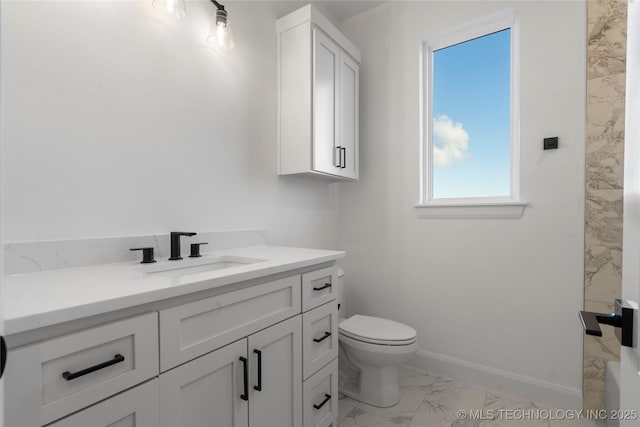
x=551 y=143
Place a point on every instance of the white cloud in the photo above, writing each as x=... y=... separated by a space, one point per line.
x=450 y=142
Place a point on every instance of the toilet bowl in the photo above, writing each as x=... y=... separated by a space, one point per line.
x=375 y=348
x=371 y=350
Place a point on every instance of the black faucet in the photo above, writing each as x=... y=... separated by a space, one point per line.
x=175 y=244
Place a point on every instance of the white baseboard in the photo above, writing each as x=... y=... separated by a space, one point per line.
x=545 y=393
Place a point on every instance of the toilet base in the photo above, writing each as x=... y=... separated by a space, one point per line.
x=374 y=386
x=368 y=372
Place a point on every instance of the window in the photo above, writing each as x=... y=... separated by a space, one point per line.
x=470 y=122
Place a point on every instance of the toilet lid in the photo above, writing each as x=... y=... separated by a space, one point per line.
x=377 y=330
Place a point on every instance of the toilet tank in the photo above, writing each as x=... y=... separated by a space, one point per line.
x=340 y=292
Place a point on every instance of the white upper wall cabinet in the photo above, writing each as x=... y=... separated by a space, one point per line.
x=318 y=78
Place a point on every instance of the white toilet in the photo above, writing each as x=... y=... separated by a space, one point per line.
x=371 y=350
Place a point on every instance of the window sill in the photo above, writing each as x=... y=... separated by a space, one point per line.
x=466 y=209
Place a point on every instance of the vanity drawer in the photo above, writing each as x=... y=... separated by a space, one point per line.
x=137 y=407
x=191 y=330
x=319 y=287
x=320 y=337
x=320 y=397
x=57 y=377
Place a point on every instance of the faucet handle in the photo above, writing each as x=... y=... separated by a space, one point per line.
x=147 y=255
x=195 y=249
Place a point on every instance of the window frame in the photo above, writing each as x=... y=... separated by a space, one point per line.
x=510 y=206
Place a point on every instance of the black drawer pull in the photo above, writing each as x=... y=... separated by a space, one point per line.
x=327 y=397
x=326 y=285
x=259 y=386
x=324 y=337
x=245 y=372
x=73 y=375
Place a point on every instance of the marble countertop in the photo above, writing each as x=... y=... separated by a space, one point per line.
x=39 y=299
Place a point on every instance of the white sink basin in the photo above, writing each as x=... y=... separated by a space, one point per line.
x=189 y=266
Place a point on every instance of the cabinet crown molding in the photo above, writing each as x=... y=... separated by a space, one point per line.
x=310 y=13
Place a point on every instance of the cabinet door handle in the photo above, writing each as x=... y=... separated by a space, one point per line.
x=324 y=337
x=259 y=386
x=343 y=163
x=327 y=397
x=73 y=375
x=3 y=355
x=245 y=371
x=339 y=157
x=326 y=285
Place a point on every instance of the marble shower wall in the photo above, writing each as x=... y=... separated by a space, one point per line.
x=606 y=54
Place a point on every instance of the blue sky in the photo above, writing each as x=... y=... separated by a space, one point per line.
x=471 y=128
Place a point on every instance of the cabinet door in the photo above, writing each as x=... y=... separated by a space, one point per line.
x=206 y=391
x=348 y=119
x=326 y=56
x=275 y=398
x=137 y=407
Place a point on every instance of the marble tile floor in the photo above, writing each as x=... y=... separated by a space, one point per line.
x=433 y=401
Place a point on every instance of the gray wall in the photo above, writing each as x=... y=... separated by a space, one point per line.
x=118 y=120
x=489 y=298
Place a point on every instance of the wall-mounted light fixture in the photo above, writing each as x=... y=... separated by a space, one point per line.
x=175 y=8
x=220 y=30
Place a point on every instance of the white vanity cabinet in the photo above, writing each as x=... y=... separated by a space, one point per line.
x=261 y=354
x=256 y=381
x=318 y=110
